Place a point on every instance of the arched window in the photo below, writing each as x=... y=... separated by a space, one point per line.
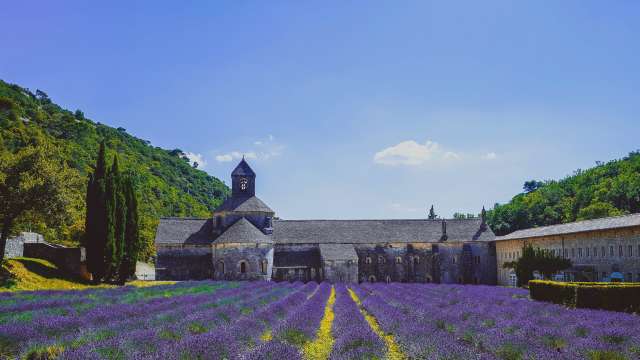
x=381 y=259
x=428 y=279
x=416 y=260
x=367 y=260
x=372 y=278
x=388 y=279
x=398 y=260
x=243 y=266
x=221 y=267
x=263 y=266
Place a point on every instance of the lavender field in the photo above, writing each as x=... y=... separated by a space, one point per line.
x=266 y=320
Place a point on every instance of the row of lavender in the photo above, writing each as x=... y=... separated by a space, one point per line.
x=482 y=322
x=199 y=319
x=204 y=320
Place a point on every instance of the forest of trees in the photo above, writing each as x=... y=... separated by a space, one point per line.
x=168 y=184
x=608 y=189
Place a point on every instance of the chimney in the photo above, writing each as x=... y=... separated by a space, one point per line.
x=444 y=230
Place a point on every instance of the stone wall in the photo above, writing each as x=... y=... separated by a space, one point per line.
x=244 y=261
x=14 y=247
x=456 y=262
x=585 y=250
x=183 y=262
x=297 y=262
x=67 y=259
x=395 y=263
x=345 y=271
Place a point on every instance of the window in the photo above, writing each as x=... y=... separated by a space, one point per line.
x=453 y=259
x=416 y=260
x=388 y=279
x=603 y=253
x=398 y=260
x=221 y=267
x=566 y=252
x=579 y=252
x=263 y=266
x=595 y=251
x=313 y=272
x=630 y=250
x=381 y=259
x=611 y=251
x=573 y=252
x=243 y=267
x=367 y=260
x=587 y=252
x=620 y=250
x=372 y=278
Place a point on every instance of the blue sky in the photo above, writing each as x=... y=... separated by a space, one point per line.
x=359 y=109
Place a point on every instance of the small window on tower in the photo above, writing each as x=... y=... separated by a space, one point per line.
x=243 y=184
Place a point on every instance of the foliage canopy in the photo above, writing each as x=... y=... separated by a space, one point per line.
x=168 y=185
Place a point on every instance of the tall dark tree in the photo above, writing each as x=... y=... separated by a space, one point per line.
x=432 y=214
x=112 y=204
x=132 y=233
x=96 y=227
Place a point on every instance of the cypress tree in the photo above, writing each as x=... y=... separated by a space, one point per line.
x=95 y=230
x=120 y=218
x=111 y=245
x=132 y=233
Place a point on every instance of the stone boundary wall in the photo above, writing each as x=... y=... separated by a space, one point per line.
x=66 y=259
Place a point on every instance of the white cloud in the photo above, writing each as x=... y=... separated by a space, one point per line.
x=411 y=153
x=262 y=150
x=490 y=156
x=196 y=158
x=224 y=158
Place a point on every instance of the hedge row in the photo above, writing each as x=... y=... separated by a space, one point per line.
x=606 y=296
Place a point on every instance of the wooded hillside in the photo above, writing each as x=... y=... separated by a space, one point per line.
x=165 y=180
x=608 y=189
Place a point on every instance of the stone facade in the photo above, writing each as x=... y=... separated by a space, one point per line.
x=242 y=241
x=595 y=253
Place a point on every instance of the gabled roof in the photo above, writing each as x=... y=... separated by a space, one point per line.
x=243 y=231
x=244 y=204
x=377 y=231
x=615 y=222
x=338 y=252
x=188 y=231
x=243 y=169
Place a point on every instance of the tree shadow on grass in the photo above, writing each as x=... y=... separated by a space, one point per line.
x=48 y=272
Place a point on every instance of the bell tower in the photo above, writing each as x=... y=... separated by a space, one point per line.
x=243 y=180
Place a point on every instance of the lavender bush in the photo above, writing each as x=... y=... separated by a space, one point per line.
x=267 y=320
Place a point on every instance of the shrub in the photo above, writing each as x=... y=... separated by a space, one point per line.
x=605 y=296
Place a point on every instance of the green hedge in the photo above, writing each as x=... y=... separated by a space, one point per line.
x=606 y=296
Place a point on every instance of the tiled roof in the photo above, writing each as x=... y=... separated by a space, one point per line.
x=576 y=227
x=198 y=231
x=243 y=169
x=244 y=204
x=184 y=231
x=243 y=231
x=377 y=231
x=338 y=252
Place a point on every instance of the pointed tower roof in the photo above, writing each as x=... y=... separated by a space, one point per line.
x=243 y=169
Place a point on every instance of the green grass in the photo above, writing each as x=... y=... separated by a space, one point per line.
x=28 y=274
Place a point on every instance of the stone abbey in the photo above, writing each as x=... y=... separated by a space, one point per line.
x=244 y=241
